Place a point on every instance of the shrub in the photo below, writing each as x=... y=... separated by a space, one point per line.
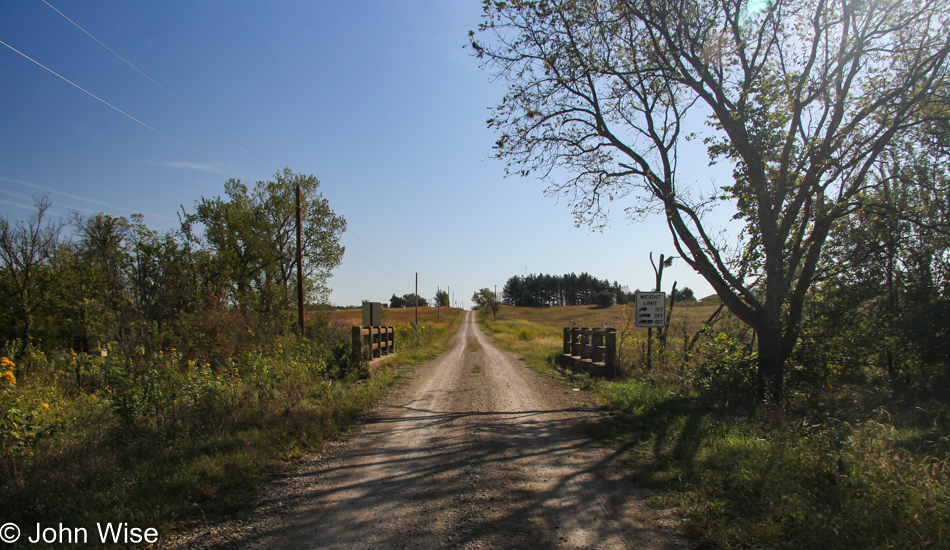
x=603 y=299
x=726 y=370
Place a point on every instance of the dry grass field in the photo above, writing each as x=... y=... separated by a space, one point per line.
x=692 y=314
x=397 y=316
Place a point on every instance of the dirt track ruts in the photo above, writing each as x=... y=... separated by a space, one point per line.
x=475 y=451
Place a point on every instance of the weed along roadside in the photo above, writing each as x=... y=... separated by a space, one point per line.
x=159 y=442
x=849 y=466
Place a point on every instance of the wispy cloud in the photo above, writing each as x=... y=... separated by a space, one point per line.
x=19 y=204
x=184 y=165
x=114 y=208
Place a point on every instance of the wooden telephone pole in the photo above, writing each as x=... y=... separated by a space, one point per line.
x=299 y=263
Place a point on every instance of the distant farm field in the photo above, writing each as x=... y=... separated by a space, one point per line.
x=693 y=314
x=397 y=316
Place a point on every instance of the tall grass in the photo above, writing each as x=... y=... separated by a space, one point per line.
x=162 y=440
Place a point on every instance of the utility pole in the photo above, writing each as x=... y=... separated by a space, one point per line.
x=417 y=298
x=299 y=263
x=438 y=303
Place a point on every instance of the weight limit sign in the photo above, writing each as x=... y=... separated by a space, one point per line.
x=651 y=309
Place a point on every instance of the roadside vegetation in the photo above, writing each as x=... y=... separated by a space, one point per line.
x=162 y=440
x=850 y=459
x=157 y=379
x=815 y=411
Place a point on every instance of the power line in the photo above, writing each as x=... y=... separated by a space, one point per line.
x=120 y=111
x=113 y=52
x=378 y=253
x=374 y=265
x=426 y=284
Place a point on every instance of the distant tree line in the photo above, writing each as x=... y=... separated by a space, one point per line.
x=408 y=300
x=561 y=290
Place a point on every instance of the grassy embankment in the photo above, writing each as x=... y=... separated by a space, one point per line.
x=163 y=441
x=856 y=466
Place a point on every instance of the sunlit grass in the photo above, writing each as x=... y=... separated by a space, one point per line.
x=822 y=478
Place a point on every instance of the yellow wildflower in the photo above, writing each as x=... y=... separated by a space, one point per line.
x=45 y=406
x=9 y=377
x=6 y=363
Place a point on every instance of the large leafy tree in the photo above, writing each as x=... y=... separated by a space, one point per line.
x=887 y=280
x=802 y=97
x=251 y=237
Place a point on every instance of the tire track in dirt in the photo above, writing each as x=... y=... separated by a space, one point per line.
x=476 y=451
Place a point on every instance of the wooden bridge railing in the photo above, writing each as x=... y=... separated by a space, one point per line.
x=374 y=342
x=594 y=350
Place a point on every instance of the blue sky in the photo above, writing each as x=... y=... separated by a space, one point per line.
x=377 y=99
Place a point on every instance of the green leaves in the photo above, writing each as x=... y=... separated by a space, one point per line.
x=249 y=236
x=804 y=99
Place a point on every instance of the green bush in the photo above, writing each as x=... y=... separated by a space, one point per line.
x=726 y=370
x=603 y=299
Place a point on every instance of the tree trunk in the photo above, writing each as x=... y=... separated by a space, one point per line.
x=771 y=364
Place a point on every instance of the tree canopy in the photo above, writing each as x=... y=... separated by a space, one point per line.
x=251 y=238
x=230 y=267
x=804 y=99
x=558 y=290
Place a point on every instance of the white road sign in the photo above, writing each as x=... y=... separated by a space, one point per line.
x=651 y=309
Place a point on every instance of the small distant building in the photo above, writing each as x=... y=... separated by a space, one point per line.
x=712 y=298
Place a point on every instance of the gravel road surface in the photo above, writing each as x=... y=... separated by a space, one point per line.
x=474 y=451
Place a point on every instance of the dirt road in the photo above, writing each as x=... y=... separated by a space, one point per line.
x=476 y=451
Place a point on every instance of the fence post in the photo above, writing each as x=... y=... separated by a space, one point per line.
x=357 y=349
x=576 y=341
x=585 y=343
x=611 y=357
x=567 y=341
x=596 y=349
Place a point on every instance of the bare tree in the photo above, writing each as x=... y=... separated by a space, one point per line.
x=802 y=99
x=24 y=249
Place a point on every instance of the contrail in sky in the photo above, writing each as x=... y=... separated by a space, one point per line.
x=77 y=197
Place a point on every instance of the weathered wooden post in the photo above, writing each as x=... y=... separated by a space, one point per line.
x=611 y=353
x=585 y=343
x=377 y=341
x=597 y=352
x=576 y=341
x=357 y=349
x=567 y=341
